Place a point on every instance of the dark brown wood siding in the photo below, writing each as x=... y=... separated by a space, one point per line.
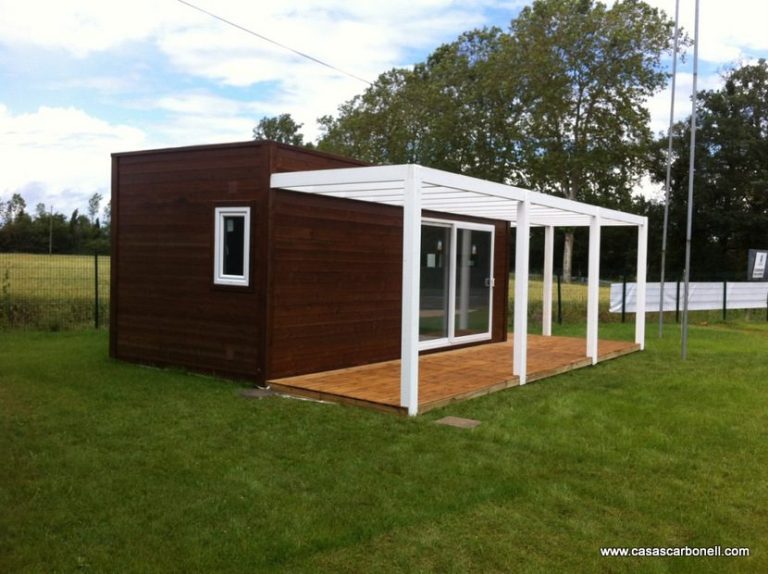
x=325 y=288
x=337 y=283
x=167 y=309
x=336 y=292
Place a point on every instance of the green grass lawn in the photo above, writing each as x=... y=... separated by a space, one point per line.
x=115 y=467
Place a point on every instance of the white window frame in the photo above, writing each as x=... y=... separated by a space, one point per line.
x=219 y=278
x=452 y=339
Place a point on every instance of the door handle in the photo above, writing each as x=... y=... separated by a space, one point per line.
x=490 y=282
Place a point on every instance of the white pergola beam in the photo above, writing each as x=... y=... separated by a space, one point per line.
x=549 y=251
x=409 y=341
x=593 y=288
x=642 y=262
x=386 y=184
x=522 y=248
x=319 y=178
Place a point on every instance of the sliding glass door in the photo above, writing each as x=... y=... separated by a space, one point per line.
x=473 y=282
x=456 y=283
x=435 y=278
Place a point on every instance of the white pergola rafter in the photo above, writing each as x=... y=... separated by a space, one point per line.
x=416 y=188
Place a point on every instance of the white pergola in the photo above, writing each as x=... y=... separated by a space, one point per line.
x=416 y=188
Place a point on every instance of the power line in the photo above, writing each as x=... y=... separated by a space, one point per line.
x=271 y=41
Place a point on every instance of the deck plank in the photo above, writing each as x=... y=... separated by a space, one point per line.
x=449 y=376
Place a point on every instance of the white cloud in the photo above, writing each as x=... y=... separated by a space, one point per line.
x=361 y=38
x=82 y=27
x=728 y=30
x=63 y=147
x=60 y=150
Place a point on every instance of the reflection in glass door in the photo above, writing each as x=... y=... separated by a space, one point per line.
x=474 y=274
x=456 y=283
x=434 y=288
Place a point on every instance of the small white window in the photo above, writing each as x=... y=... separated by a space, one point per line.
x=233 y=246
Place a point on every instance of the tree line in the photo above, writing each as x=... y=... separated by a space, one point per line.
x=47 y=231
x=558 y=103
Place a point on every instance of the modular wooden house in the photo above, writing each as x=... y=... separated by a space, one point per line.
x=221 y=266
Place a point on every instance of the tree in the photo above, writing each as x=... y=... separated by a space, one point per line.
x=13 y=208
x=731 y=175
x=557 y=104
x=93 y=207
x=21 y=232
x=106 y=217
x=585 y=72
x=40 y=211
x=281 y=129
x=452 y=112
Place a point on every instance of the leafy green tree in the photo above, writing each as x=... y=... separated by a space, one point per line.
x=452 y=112
x=731 y=175
x=21 y=232
x=557 y=104
x=93 y=207
x=586 y=71
x=13 y=208
x=282 y=128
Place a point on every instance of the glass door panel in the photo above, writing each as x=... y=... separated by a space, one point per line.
x=472 y=311
x=435 y=275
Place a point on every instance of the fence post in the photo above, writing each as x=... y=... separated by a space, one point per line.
x=623 y=298
x=677 y=304
x=96 y=288
x=559 y=302
x=725 y=300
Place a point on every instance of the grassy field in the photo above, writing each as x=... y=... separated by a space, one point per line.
x=51 y=292
x=113 y=467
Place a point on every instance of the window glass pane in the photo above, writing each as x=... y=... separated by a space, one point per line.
x=435 y=273
x=473 y=282
x=234 y=244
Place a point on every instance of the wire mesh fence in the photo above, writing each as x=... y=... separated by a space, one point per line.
x=56 y=292
x=53 y=292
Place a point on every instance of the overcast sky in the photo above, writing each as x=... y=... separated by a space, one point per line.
x=80 y=79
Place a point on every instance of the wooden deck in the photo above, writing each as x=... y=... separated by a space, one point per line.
x=450 y=375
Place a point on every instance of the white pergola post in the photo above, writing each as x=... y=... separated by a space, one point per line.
x=593 y=287
x=409 y=339
x=522 y=247
x=549 y=251
x=642 y=257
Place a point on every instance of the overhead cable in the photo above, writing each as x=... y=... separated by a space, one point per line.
x=276 y=43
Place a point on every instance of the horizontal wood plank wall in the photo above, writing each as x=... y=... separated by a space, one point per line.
x=336 y=272
x=336 y=283
x=284 y=305
x=290 y=158
x=169 y=311
x=325 y=273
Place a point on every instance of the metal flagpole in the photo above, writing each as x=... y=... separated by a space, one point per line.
x=688 y=227
x=669 y=173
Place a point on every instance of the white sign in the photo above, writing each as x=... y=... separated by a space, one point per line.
x=759 y=269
